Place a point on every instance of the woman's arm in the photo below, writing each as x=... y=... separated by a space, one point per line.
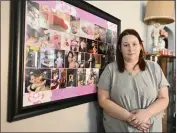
x=142 y=115
x=160 y=104
x=111 y=107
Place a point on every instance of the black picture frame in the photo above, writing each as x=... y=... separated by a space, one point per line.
x=16 y=60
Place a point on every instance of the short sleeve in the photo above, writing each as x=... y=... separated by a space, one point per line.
x=161 y=79
x=104 y=81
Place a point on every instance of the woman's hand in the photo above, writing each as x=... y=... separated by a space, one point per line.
x=144 y=126
x=139 y=117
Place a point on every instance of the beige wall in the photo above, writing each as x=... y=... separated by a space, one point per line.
x=80 y=118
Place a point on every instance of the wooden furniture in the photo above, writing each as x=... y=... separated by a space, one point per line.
x=168 y=65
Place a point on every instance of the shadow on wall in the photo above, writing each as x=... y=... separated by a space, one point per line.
x=142 y=10
x=95 y=116
x=170 y=41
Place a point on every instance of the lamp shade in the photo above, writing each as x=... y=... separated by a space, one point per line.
x=159 y=12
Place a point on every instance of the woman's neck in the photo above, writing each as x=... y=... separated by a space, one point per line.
x=130 y=65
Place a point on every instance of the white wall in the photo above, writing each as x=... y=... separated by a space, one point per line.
x=80 y=118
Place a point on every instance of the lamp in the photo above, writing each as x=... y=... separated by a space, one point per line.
x=158 y=13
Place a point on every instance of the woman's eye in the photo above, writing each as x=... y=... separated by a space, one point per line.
x=125 y=45
x=134 y=44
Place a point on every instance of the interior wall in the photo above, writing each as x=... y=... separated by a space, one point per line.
x=82 y=118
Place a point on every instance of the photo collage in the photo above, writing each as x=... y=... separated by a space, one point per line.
x=62 y=50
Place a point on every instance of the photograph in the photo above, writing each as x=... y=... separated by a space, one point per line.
x=37 y=80
x=75 y=41
x=92 y=46
x=81 y=60
x=45 y=16
x=104 y=60
x=52 y=39
x=54 y=20
x=46 y=58
x=32 y=15
x=71 y=59
x=71 y=77
x=86 y=29
x=66 y=41
x=75 y=25
x=109 y=36
x=99 y=33
x=32 y=56
x=61 y=22
x=92 y=75
x=59 y=59
x=58 y=80
x=83 y=45
x=81 y=77
x=114 y=40
x=33 y=36
x=89 y=60
x=110 y=53
x=114 y=37
x=97 y=60
x=101 y=48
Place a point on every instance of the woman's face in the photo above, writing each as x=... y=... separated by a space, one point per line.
x=70 y=57
x=83 y=44
x=130 y=48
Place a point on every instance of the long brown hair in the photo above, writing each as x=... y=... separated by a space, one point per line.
x=119 y=56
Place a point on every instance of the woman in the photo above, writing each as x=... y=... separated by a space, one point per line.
x=69 y=59
x=132 y=91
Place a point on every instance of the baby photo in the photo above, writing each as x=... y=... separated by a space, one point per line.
x=54 y=20
x=74 y=45
x=58 y=79
x=86 y=29
x=59 y=59
x=101 y=48
x=71 y=77
x=47 y=58
x=45 y=16
x=89 y=60
x=83 y=45
x=99 y=33
x=52 y=39
x=61 y=22
x=33 y=36
x=75 y=25
x=81 y=77
x=92 y=76
x=32 y=17
x=32 y=56
x=92 y=46
x=109 y=36
x=65 y=42
x=37 y=80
